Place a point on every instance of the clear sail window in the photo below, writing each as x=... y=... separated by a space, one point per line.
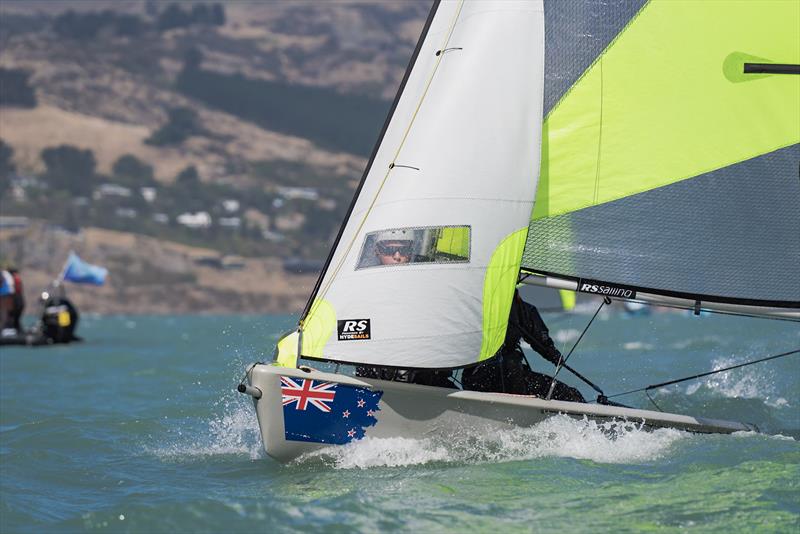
x=405 y=246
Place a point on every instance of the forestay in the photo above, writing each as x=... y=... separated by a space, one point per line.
x=423 y=272
x=666 y=168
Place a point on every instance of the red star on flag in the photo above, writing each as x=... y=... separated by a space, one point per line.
x=346 y=413
x=370 y=413
x=351 y=432
x=361 y=403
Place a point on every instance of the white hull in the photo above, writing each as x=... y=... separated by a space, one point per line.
x=413 y=411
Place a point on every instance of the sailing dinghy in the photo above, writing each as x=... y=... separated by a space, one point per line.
x=639 y=150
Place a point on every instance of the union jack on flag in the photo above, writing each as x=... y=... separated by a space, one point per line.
x=303 y=392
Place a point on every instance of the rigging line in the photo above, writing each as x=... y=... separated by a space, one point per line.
x=679 y=380
x=567 y=367
x=563 y=361
x=247 y=371
x=440 y=52
x=388 y=171
x=653 y=401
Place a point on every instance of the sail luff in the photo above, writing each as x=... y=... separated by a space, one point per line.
x=371 y=160
x=363 y=218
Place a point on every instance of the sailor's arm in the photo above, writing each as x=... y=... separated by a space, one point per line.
x=536 y=334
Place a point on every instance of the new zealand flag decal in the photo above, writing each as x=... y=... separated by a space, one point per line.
x=327 y=412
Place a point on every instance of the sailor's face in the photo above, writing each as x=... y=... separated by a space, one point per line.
x=391 y=252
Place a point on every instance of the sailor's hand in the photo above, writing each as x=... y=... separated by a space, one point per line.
x=554 y=356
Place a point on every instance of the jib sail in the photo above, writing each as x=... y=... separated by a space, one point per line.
x=424 y=269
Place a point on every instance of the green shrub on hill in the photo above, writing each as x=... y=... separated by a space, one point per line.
x=174 y=16
x=15 y=89
x=350 y=123
x=86 y=26
x=130 y=170
x=181 y=124
x=7 y=167
x=70 y=169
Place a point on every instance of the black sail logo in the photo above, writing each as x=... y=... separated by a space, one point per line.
x=353 y=329
x=604 y=288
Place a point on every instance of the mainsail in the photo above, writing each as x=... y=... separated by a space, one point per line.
x=448 y=193
x=664 y=140
x=666 y=167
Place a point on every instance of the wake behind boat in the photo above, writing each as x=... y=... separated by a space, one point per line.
x=609 y=150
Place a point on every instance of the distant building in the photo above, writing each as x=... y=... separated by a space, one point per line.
x=201 y=219
x=275 y=237
x=18 y=193
x=230 y=222
x=298 y=193
x=111 y=190
x=126 y=213
x=233 y=262
x=148 y=193
x=255 y=218
x=230 y=205
x=290 y=221
x=13 y=222
x=327 y=204
x=220 y=262
x=25 y=181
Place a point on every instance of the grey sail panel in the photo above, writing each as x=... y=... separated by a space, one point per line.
x=576 y=32
x=732 y=234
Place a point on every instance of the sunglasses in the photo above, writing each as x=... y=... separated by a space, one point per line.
x=391 y=250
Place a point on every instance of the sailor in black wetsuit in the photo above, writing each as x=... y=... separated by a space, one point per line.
x=509 y=371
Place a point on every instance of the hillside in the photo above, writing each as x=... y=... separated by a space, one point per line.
x=241 y=127
x=153 y=276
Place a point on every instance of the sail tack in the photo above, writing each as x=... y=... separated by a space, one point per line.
x=425 y=267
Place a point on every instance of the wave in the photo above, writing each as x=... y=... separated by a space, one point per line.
x=746 y=383
x=560 y=436
x=234 y=432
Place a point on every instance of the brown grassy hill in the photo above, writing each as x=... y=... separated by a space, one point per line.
x=151 y=276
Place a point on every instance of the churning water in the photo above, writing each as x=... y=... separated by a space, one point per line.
x=139 y=429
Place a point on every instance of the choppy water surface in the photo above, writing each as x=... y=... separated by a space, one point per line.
x=139 y=430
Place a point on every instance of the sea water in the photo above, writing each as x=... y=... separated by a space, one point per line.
x=139 y=429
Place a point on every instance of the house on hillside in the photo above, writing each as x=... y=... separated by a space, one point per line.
x=230 y=222
x=231 y=205
x=298 y=193
x=148 y=193
x=111 y=190
x=201 y=219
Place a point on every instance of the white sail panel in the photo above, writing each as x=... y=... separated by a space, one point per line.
x=423 y=272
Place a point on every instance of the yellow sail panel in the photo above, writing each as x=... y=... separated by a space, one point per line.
x=567 y=299
x=663 y=102
x=454 y=240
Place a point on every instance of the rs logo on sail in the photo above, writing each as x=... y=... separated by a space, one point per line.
x=352 y=329
x=599 y=288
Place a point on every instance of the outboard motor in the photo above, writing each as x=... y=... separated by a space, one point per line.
x=59 y=320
